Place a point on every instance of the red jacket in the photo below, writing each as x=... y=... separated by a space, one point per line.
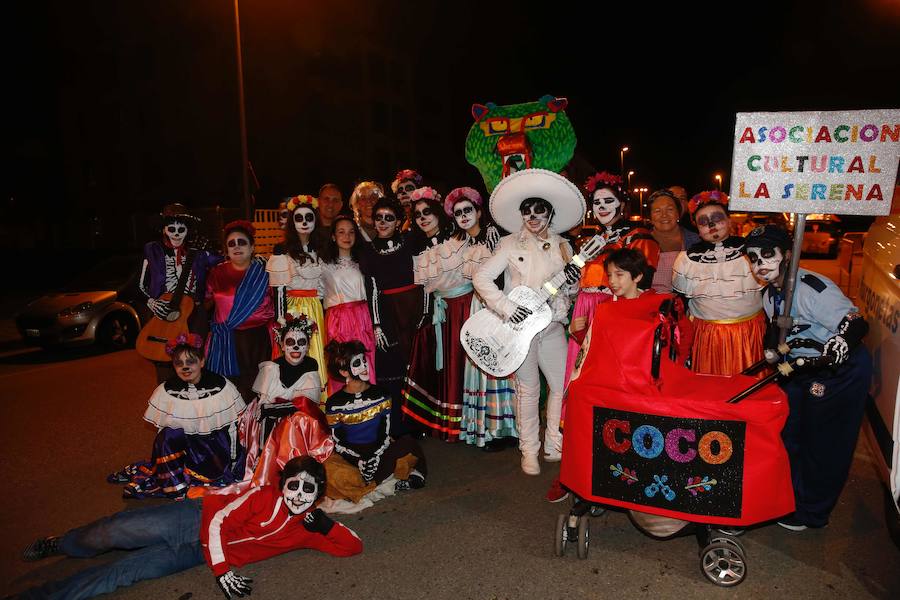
x=243 y=528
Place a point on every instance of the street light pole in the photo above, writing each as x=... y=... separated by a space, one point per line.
x=245 y=159
x=622 y=161
x=630 y=175
x=719 y=182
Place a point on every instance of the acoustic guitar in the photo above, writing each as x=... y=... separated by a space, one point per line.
x=499 y=347
x=151 y=341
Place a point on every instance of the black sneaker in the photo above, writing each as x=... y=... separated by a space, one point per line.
x=415 y=481
x=792 y=522
x=41 y=549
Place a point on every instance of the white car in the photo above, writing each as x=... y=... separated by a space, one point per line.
x=879 y=301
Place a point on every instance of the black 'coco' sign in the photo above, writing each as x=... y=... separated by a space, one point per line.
x=687 y=465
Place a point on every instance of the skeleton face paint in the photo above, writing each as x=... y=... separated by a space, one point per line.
x=426 y=219
x=188 y=367
x=765 y=263
x=283 y=217
x=606 y=206
x=359 y=367
x=385 y=223
x=300 y=492
x=304 y=220
x=466 y=214
x=295 y=346
x=535 y=215
x=176 y=231
x=404 y=190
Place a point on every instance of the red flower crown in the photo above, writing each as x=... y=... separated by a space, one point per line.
x=184 y=339
x=703 y=198
x=601 y=180
x=301 y=323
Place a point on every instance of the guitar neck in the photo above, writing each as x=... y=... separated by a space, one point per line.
x=183 y=279
x=551 y=287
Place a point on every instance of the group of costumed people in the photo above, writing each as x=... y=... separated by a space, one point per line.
x=324 y=365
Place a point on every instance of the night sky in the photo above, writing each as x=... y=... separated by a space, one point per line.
x=120 y=107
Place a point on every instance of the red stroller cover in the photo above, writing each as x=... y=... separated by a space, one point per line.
x=671 y=447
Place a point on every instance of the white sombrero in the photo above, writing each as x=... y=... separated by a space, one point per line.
x=563 y=195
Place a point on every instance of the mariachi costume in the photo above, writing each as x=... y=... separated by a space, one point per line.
x=525 y=259
x=197 y=443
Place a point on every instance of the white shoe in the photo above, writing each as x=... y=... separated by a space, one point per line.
x=553 y=457
x=530 y=464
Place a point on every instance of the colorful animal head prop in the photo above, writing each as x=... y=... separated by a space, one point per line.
x=506 y=139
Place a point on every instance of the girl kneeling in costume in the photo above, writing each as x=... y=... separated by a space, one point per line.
x=360 y=420
x=196 y=412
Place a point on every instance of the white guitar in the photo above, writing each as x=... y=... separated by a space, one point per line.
x=498 y=346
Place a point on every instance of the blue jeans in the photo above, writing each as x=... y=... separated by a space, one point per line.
x=163 y=539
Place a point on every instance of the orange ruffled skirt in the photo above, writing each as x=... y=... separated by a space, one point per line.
x=729 y=346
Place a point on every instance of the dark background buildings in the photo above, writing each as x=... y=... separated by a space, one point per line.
x=119 y=107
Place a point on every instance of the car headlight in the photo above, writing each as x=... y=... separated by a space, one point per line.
x=75 y=310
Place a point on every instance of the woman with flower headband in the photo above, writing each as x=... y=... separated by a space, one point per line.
x=241 y=335
x=296 y=276
x=346 y=310
x=285 y=385
x=470 y=405
x=724 y=298
x=609 y=203
x=396 y=302
x=196 y=413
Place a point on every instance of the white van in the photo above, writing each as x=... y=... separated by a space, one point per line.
x=879 y=301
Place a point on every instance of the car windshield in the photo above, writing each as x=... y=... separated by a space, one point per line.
x=110 y=274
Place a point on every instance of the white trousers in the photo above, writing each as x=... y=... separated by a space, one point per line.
x=546 y=355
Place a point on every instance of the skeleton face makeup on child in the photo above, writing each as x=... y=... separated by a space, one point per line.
x=304 y=220
x=466 y=214
x=295 y=346
x=765 y=263
x=176 y=232
x=713 y=223
x=535 y=214
x=359 y=367
x=606 y=207
x=385 y=223
x=300 y=493
x=188 y=367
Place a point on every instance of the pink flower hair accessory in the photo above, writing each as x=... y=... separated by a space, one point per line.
x=184 y=339
x=462 y=193
x=425 y=193
x=601 y=180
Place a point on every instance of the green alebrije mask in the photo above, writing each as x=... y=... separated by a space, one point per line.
x=548 y=131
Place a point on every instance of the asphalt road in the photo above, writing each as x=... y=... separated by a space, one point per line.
x=480 y=529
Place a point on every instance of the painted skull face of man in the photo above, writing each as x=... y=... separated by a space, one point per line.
x=404 y=189
x=295 y=346
x=300 y=492
x=359 y=367
x=304 y=220
x=536 y=213
x=606 y=206
x=176 y=232
x=466 y=214
x=765 y=263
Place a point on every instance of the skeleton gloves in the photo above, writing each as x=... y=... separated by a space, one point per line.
x=317 y=521
x=234 y=586
x=851 y=330
x=159 y=308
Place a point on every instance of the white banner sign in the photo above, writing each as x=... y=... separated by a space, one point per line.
x=840 y=162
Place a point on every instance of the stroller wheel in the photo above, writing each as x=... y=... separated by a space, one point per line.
x=584 y=536
x=560 y=536
x=597 y=510
x=722 y=563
